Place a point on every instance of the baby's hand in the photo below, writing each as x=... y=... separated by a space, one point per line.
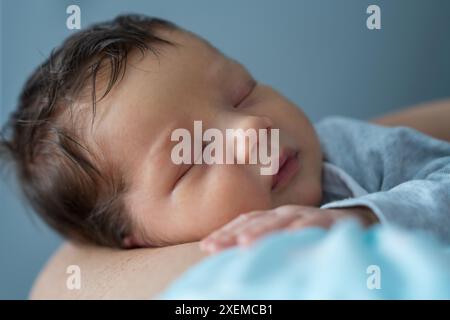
x=248 y=227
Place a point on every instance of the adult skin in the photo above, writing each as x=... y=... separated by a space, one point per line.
x=143 y=273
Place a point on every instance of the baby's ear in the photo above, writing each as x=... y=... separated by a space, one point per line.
x=131 y=242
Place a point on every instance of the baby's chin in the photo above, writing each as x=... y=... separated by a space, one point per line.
x=302 y=193
x=287 y=200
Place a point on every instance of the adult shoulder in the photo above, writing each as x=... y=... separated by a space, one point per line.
x=112 y=273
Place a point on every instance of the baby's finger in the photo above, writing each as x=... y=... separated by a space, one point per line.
x=266 y=220
x=217 y=244
x=319 y=220
x=232 y=226
x=259 y=227
x=226 y=236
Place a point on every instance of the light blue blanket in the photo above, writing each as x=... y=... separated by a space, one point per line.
x=346 y=262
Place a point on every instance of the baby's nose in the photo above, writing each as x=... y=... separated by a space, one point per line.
x=251 y=132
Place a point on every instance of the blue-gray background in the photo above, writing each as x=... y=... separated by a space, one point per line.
x=319 y=53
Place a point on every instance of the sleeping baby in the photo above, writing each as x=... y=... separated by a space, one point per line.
x=91 y=143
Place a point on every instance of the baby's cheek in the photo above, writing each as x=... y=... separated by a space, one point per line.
x=232 y=192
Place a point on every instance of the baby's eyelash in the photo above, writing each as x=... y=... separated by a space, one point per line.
x=185 y=171
x=181 y=176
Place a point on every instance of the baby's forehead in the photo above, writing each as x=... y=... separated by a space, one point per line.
x=188 y=42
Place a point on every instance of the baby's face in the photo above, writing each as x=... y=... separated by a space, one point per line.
x=172 y=203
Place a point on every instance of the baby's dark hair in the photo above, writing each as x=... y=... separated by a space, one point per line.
x=68 y=185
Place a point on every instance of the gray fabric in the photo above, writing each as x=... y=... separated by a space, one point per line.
x=402 y=175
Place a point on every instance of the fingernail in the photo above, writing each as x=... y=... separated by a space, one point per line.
x=212 y=247
x=244 y=239
x=202 y=245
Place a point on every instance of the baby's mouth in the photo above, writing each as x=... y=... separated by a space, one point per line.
x=288 y=168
